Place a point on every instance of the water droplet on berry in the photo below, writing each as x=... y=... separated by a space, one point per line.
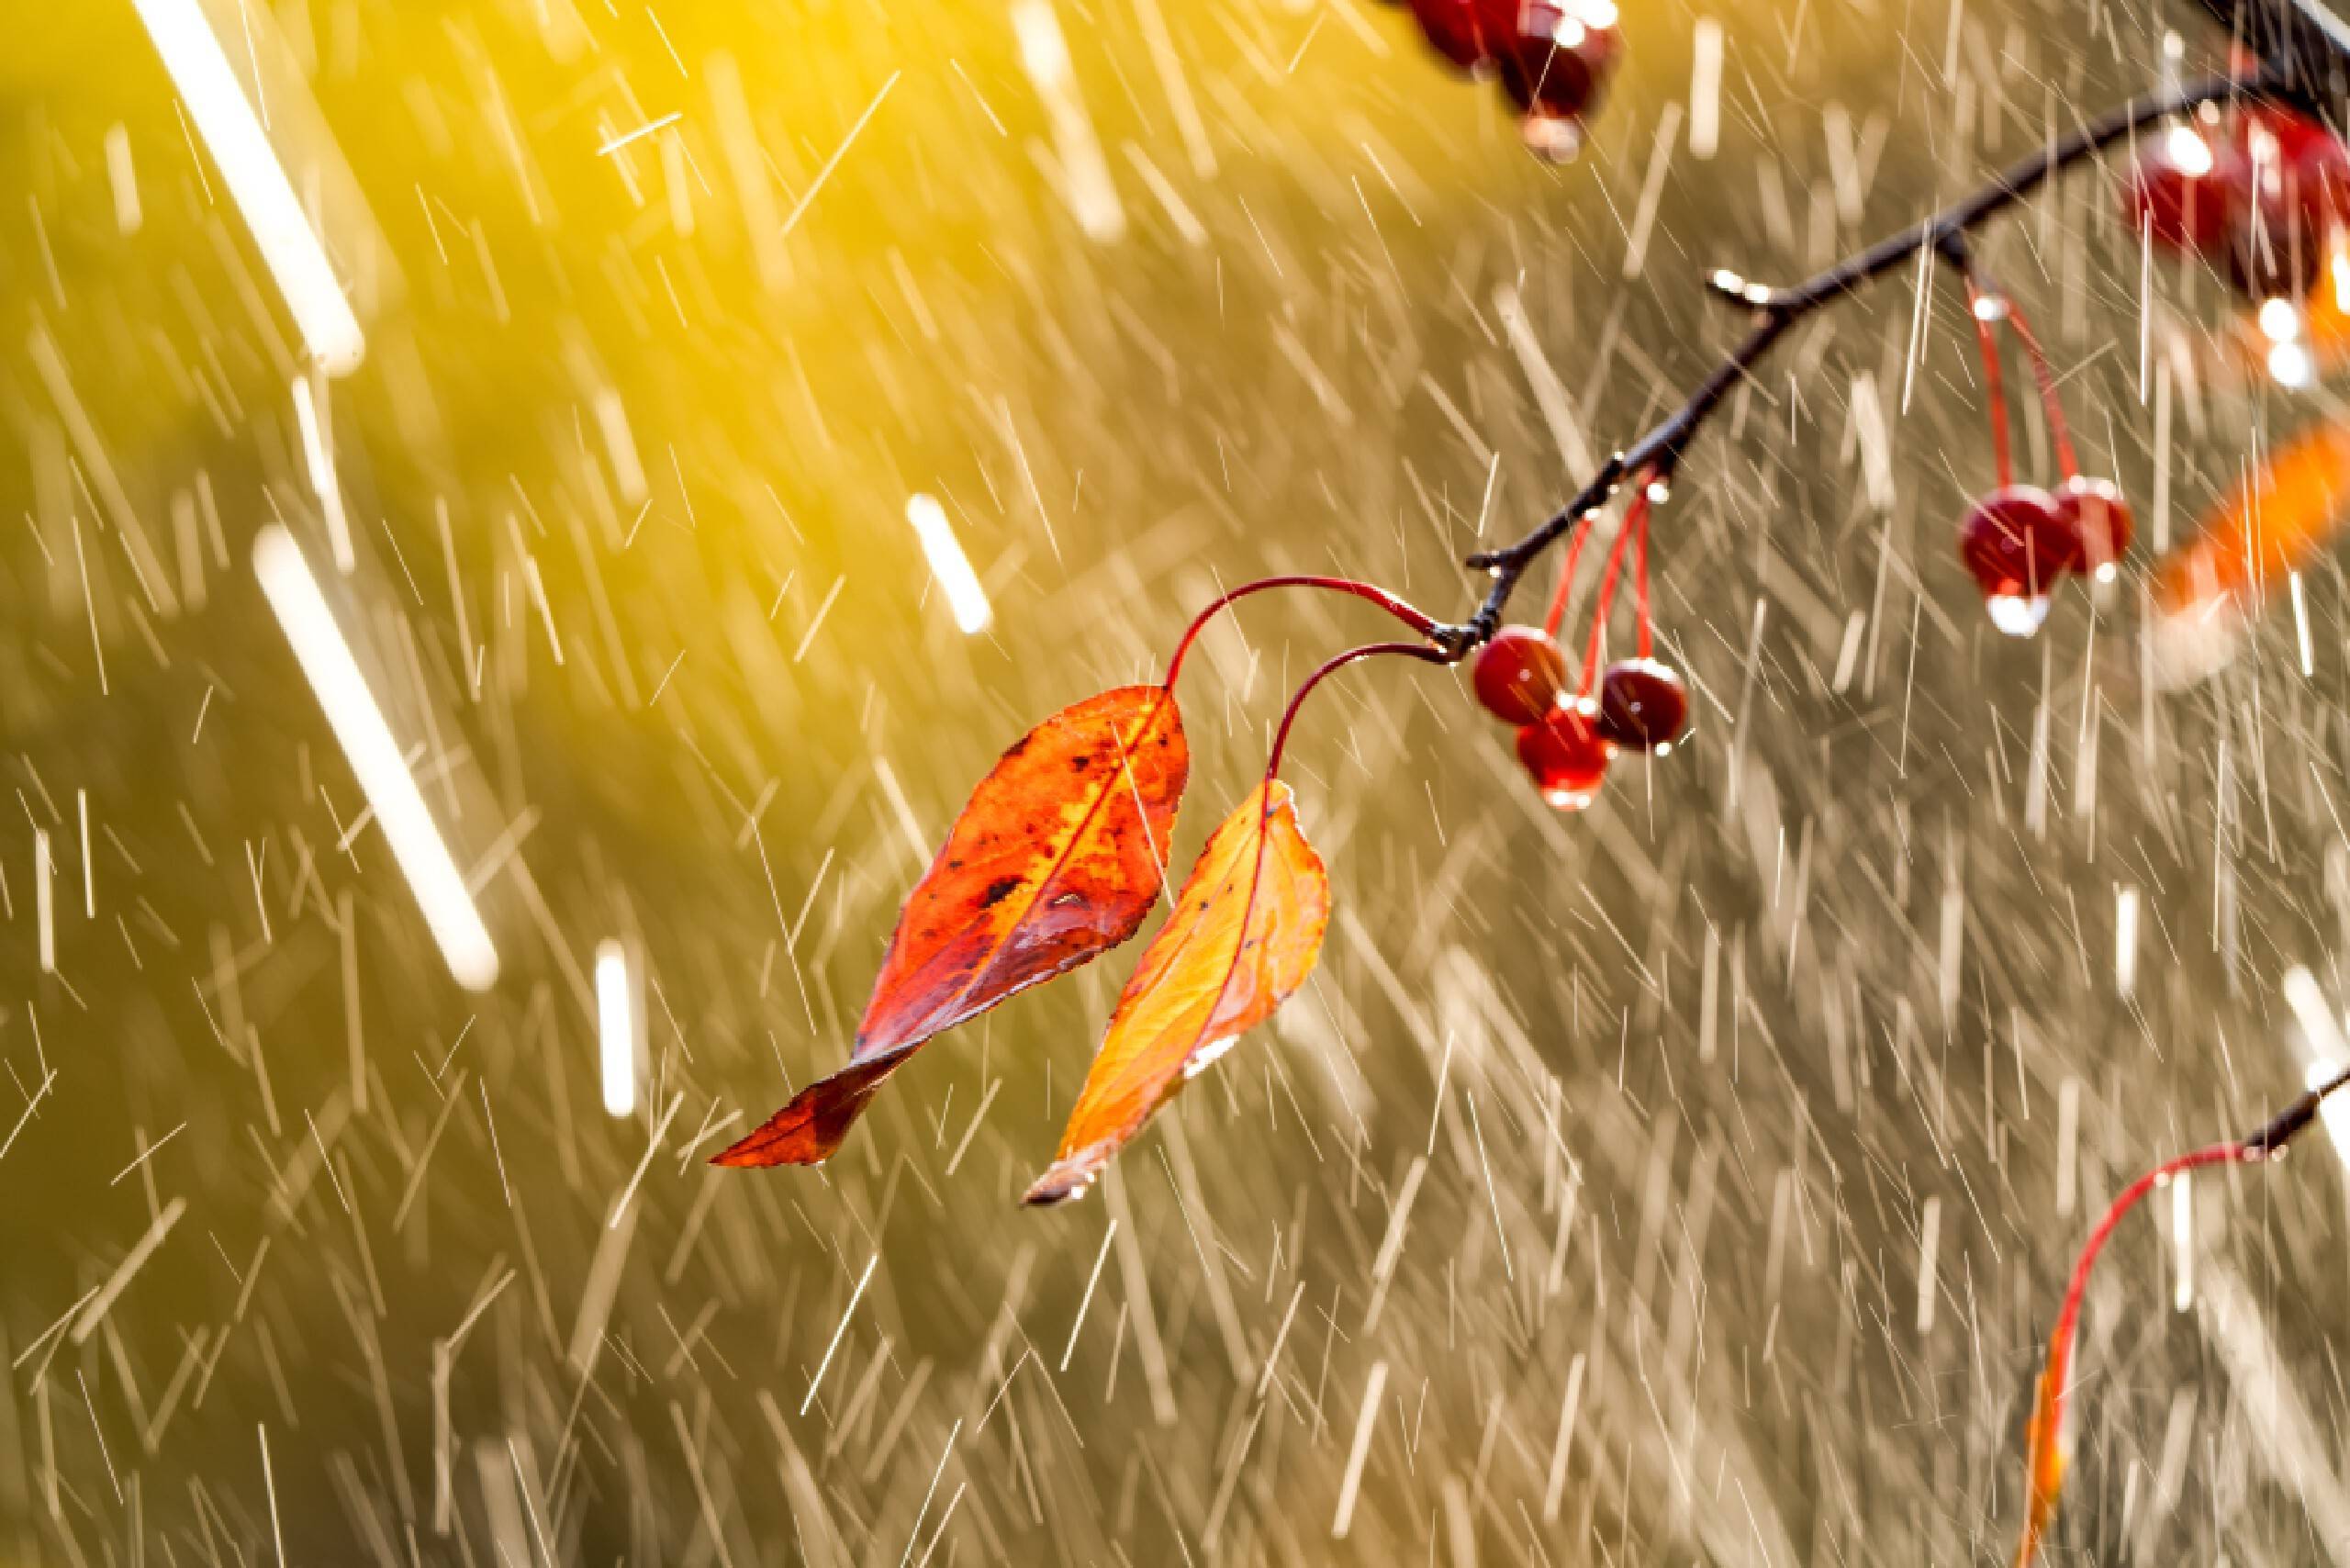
x=2016 y=614
x=1554 y=139
x=2188 y=149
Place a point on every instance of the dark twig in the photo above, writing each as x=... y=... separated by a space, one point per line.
x=2304 y=42
x=1776 y=310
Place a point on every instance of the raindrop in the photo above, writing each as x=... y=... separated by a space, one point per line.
x=2017 y=615
x=1554 y=139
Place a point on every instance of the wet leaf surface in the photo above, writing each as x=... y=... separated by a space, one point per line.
x=1059 y=855
x=1246 y=932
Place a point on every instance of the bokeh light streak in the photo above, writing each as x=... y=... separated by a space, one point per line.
x=358 y=724
x=232 y=133
x=617 y=1030
x=953 y=570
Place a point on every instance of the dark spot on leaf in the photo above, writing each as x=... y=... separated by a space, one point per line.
x=998 y=891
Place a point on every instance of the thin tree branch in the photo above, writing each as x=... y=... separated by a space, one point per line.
x=2303 y=40
x=1659 y=452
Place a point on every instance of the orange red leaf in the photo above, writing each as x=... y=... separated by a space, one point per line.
x=1245 y=933
x=1057 y=857
x=2043 y=1448
x=2272 y=525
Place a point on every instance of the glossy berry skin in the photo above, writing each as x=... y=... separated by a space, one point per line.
x=2186 y=186
x=1555 y=56
x=2019 y=540
x=2296 y=192
x=2019 y=543
x=2258 y=195
x=1566 y=757
x=1519 y=675
x=1458 y=29
x=2098 y=515
x=1643 y=706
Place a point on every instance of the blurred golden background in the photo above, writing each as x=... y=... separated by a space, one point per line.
x=1690 y=1181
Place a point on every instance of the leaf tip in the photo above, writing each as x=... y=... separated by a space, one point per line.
x=810 y=1130
x=1071 y=1176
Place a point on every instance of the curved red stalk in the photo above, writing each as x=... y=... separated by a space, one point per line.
x=2048 y=1418
x=1328 y=667
x=1993 y=392
x=1567 y=576
x=1641 y=578
x=1273 y=766
x=1408 y=614
x=1636 y=522
x=2059 y=434
x=2043 y=1459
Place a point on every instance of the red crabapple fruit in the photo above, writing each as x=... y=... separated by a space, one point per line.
x=1566 y=757
x=1460 y=30
x=1519 y=673
x=2186 y=185
x=2017 y=541
x=2099 y=516
x=1643 y=706
x=1555 y=57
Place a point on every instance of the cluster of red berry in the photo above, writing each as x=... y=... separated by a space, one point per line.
x=2256 y=192
x=1553 y=57
x=1638 y=704
x=2019 y=540
x=2260 y=191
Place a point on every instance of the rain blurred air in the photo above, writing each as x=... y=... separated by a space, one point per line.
x=456 y=782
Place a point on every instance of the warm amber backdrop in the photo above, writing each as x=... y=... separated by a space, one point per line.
x=1837 y=966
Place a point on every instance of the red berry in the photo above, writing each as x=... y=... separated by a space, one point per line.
x=1457 y=29
x=1519 y=673
x=1643 y=706
x=2017 y=542
x=1566 y=756
x=2100 y=518
x=2187 y=185
x=1556 y=56
x=2295 y=195
x=2261 y=192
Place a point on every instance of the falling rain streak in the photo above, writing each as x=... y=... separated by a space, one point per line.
x=567 y=499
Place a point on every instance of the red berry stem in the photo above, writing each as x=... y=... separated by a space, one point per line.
x=1567 y=576
x=1980 y=307
x=2059 y=434
x=1328 y=667
x=2041 y=1461
x=1775 y=311
x=1640 y=572
x=1636 y=522
x=1408 y=614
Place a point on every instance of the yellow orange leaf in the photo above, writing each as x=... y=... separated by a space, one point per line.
x=2044 y=1449
x=1057 y=857
x=1245 y=933
x=2286 y=514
